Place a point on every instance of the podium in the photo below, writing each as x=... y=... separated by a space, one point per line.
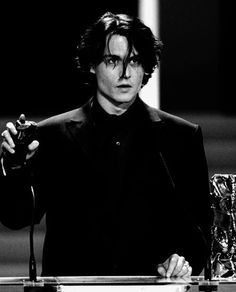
x=116 y=284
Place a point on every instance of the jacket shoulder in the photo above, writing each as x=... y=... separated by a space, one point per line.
x=62 y=118
x=54 y=127
x=171 y=120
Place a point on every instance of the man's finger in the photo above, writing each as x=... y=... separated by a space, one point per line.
x=184 y=270
x=189 y=272
x=7 y=147
x=7 y=137
x=172 y=264
x=11 y=127
x=161 y=270
x=33 y=145
x=179 y=266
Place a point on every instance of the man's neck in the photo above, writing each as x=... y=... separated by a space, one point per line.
x=112 y=107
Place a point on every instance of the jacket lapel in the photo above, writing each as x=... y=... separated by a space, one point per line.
x=80 y=128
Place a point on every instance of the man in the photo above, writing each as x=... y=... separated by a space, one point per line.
x=124 y=186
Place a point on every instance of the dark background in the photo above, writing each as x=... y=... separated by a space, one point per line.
x=40 y=75
x=39 y=45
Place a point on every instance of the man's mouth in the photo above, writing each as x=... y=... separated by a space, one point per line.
x=124 y=86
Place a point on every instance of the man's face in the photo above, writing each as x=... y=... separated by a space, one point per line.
x=120 y=74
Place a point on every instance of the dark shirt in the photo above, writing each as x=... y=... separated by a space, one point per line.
x=111 y=135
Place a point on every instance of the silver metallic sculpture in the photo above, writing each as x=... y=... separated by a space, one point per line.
x=223 y=245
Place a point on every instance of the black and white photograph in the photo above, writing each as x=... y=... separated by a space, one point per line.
x=118 y=146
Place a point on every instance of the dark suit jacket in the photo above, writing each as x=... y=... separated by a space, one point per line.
x=162 y=206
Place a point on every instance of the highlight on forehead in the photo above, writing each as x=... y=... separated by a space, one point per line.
x=131 y=49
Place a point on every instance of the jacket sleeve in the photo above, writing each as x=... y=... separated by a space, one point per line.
x=187 y=163
x=196 y=198
x=200 y=198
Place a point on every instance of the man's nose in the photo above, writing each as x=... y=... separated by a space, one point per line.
x=126 y=71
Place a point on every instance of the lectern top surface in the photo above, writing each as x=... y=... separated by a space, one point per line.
x=116 y=280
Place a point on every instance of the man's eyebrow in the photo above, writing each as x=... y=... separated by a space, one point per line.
x=111 y=55
x=118 y=57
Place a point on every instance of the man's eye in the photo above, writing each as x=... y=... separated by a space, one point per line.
x=134 y=61
x=111 y=61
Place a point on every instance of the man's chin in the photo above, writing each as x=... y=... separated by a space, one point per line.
x=124 y=99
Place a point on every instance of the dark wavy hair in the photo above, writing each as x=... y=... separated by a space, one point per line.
x=91 y=47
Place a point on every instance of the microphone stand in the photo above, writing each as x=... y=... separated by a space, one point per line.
x=32 y=261
x=25 y=135
x=34 y=285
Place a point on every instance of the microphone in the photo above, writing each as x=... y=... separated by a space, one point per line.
x=26 y=132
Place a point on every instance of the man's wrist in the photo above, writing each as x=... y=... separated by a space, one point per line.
x=7 y=166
